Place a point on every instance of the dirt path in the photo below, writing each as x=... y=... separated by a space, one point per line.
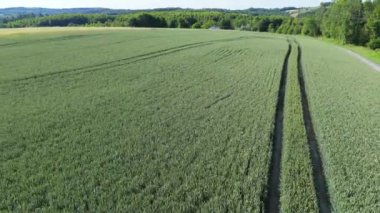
x=373 y=65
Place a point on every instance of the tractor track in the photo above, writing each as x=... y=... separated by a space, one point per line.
x=319 y=178
x=272 y=199
x=131 y=60
x=115 y=63
x=54 y=39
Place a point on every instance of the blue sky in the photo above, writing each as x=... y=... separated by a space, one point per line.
x=147 y=4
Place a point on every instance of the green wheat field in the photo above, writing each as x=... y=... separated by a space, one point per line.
x=155 y=120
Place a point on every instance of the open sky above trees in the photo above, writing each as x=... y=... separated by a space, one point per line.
x=147 y=4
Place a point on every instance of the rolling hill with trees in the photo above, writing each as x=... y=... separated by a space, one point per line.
x=348 y=21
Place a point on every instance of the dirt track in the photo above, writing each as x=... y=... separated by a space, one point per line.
x=373 y=65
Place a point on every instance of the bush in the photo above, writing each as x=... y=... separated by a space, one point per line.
x=374 y=44
x=197 y=25
x=208 y=24
x=147 y=20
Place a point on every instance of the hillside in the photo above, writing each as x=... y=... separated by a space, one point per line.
x=17 y=11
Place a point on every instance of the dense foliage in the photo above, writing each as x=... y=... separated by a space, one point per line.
x=349 y=21
x=352 y=21
x=164 y=19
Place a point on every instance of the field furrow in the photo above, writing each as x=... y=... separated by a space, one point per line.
x=297 y=187
x=320 y=183
x=272 y=202
x=343 y=97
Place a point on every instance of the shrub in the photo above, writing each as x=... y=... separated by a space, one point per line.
x=374 y=44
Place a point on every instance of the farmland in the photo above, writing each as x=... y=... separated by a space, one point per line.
x=344 y=101
x=297 y=190
x=184 y=120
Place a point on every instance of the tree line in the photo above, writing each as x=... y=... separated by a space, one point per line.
x=348 y=21
x=162 y=19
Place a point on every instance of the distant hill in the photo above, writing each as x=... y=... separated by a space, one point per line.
x=16 y=11
x=298 y=12
x=19 y=11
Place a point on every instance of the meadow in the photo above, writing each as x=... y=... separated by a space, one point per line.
x=162 y=120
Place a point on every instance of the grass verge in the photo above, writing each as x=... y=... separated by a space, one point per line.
x=372 y=55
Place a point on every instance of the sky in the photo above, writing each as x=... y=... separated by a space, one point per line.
x=149 y=4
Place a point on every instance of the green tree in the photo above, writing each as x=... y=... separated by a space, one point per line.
x=345 y=21
x=208 y=24
x=147 y=20
x=373 y=26
x=225 y=24
x=310 y=27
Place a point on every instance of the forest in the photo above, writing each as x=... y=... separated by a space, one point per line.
x=348 y=21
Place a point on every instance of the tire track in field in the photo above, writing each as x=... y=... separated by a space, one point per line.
x=319 y=178
x=116 y=63
x=60 y=38
x=272 y=200
x=133 y=59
